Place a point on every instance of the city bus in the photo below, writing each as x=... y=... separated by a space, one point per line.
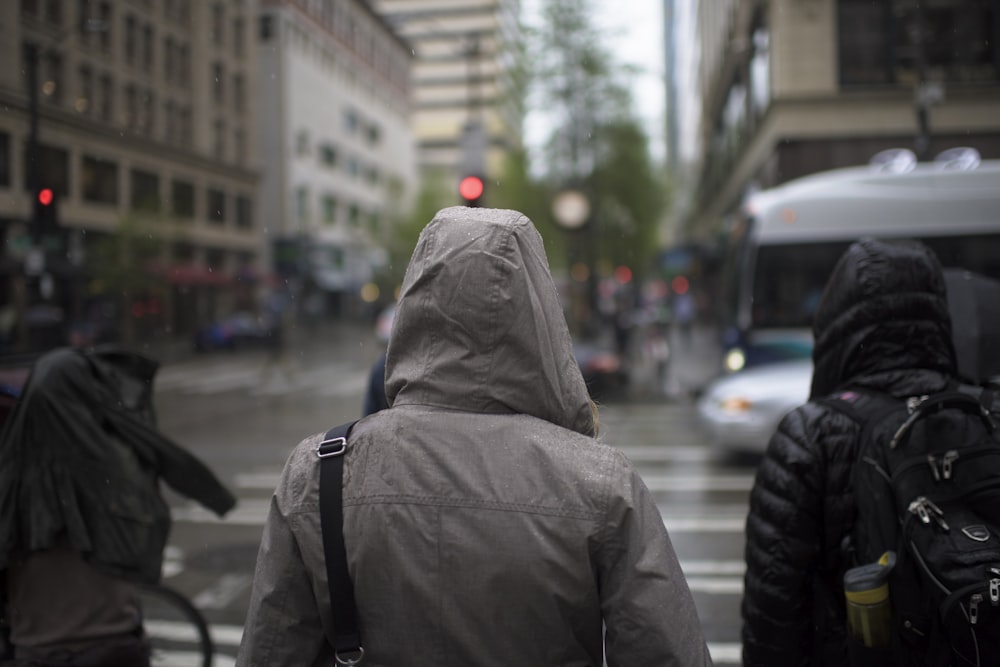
x=782 y=245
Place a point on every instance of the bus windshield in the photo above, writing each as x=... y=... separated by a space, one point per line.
x=789 y=279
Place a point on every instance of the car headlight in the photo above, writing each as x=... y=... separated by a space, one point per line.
x=735 y=360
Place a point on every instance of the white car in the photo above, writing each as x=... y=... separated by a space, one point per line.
x=740 y=412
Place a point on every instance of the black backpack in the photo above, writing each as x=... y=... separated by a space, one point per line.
x=926 y=483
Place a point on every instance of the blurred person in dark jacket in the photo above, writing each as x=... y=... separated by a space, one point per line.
x=82 y=520
x=484 y=521
x=882 y=324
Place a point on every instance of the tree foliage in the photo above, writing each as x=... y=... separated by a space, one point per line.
x=595 y=142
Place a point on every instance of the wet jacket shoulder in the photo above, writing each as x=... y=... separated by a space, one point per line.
x=882 y=326
x=81 y=460
x=484 y=522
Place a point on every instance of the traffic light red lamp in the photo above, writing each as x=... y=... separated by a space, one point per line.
x=45 y=216
x=471 y=189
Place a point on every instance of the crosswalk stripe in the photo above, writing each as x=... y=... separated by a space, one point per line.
x=696 y=482
x=724 y=653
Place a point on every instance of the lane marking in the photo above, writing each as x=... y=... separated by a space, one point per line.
x=182 y=631
x=695 y=482
x=222 y=592
x=731 y=567
x=724 y=653
x=716 y=585
x=704 y=525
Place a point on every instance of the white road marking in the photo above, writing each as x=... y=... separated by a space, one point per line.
x=704 y=524
x=699 y=482
x=667 y=454
x=222 y=592
x=713 y=567
x=726 y=653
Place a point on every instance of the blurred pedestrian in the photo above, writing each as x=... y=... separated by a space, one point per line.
x=484 y=521
x=278 y=361
x=882 y=324
x=82 y=521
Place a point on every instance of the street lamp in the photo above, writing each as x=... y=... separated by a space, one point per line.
x=571 y=209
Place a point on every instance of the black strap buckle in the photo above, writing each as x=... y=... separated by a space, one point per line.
x=331 y=447
x=349 y=657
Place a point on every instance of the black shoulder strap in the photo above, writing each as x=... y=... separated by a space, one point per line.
x=867 y=408
x=347 y=637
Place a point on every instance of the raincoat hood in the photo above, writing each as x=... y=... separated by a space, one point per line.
x=884 y=312
x=479 y=326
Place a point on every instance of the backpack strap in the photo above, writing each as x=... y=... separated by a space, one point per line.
x=346 y=635
x=866 y=407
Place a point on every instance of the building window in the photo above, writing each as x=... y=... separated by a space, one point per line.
x=219 y=138
x=182 y=200
x=147 y=48
x=130 y=40
x=53 y=167
x=889 y=42
x=104 y=14
x=351 y=121
x=52 y=82
x=216 y=205
x=168 y=59
x=105 y=99
x=239 y=94
x=84 y=100
x=99 y=180
x=302 y=206
x=218 y=83
x=145 y=191
x=239 y=31
x=240 y=146
x=328 y=155
x=147 y=115
x=330 y=210
x=244 y=213
x=218 y=21
x=302 y=143
x=266 y=28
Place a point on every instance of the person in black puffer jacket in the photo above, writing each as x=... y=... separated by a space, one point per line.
x=882 y=324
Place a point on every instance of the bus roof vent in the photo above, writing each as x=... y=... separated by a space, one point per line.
x=962 y=158
x=893 y=161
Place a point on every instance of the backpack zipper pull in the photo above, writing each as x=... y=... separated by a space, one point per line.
x=913 y=402
x=946 y=462
x=974 y=607
x=932 y=462
x=994 y=592
x=926 y=510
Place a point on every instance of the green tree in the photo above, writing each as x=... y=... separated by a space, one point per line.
x=595 y=143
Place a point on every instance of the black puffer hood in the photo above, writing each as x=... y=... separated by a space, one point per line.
x=884 y=311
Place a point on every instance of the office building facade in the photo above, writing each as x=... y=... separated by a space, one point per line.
x=139 y=117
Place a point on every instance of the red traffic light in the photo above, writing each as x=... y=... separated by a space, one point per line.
x=471 y=188
x=45 y=196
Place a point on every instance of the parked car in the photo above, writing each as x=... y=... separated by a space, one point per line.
x=740 y=412
x=240 y=329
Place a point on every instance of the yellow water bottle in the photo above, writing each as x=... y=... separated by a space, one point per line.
x=869 y=613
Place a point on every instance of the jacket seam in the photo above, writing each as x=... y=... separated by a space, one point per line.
x=460 y=502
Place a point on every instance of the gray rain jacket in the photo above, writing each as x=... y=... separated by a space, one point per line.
x=484 y=523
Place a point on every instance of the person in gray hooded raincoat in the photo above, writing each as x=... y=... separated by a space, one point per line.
x=485 y=524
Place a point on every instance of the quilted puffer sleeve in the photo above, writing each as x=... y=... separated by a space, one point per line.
x=783 y=538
